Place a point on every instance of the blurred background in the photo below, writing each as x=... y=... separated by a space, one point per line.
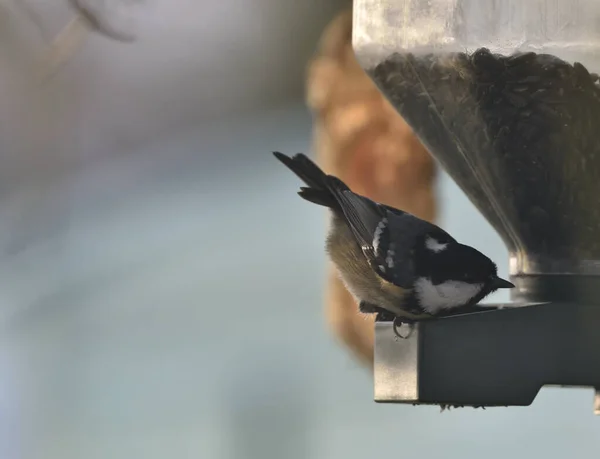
x=162 y=284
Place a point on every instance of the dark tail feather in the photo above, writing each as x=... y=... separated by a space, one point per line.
x=319 y=183
x=303 y=167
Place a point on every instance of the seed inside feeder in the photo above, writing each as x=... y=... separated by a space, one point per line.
x=525 y=124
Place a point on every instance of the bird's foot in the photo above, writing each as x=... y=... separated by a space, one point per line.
x=367 y=308
x=382 y=315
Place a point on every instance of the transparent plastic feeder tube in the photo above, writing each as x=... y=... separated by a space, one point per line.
x=505 y=94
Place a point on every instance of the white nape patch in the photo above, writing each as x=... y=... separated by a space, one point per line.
x=447 y=295
x=378 y=232
x=435 y=245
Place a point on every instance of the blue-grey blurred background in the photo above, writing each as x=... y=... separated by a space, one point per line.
x=161 y=283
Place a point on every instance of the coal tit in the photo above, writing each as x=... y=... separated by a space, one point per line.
x=395 y=264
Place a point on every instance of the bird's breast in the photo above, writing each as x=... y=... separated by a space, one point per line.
x=356 y=273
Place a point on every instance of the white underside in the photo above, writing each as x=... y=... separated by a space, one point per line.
x=447 y=295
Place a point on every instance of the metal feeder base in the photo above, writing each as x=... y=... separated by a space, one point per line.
x=495 y=358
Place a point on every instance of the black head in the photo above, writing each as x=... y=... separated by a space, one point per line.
x=456 y=269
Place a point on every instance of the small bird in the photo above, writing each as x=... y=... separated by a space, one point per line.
x=395 y=265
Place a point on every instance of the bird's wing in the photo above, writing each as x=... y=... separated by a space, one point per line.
x=385 y=235
x=394 y=249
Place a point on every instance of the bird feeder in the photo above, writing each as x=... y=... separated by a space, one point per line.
x=505 y=95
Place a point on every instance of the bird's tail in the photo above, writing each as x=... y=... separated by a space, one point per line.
x=320 y=185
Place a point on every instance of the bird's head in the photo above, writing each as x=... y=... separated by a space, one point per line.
x=451 y=275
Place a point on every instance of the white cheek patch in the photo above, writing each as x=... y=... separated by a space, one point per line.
x=435 y=245
x=447 y=295
x=378 y=232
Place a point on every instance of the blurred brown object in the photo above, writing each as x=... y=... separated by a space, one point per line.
x=359 y=137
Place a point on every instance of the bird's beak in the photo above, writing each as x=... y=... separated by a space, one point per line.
x=498 y=282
